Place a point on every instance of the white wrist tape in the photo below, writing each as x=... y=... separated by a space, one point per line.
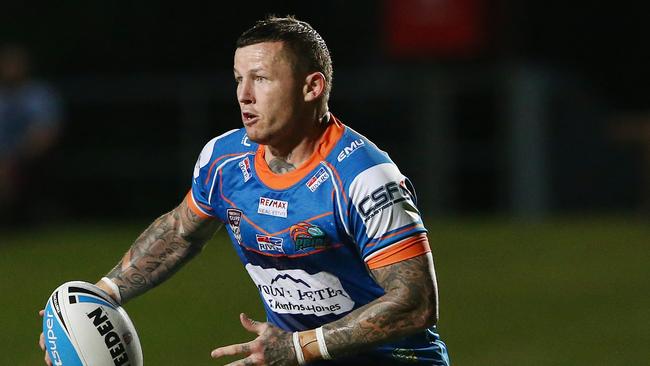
x=296 y=345
x=321 y=344
x=114 y=288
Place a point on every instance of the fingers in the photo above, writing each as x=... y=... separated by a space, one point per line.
x=245 y=362
x=41 y=342
x=250 y=324
x=234 y=349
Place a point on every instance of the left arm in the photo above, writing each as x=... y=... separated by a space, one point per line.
x=409 y=305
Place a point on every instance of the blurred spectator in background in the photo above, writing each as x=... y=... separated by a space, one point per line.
x=30 y=117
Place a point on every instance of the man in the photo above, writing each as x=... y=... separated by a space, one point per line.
x=30 y=114
x=323 y=221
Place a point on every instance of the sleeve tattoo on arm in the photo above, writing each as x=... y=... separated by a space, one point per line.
x=409 y=304
x=161 y=250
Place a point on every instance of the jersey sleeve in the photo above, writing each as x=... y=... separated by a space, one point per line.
x=203 y=181
x=383 y=216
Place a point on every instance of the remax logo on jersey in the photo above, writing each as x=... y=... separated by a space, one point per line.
x=348 y=150
x=268 y=243
x=383 y=197
x=314 y=182
x=269 y=206
x=307 y=236
x=245 y=166
x=234 y=221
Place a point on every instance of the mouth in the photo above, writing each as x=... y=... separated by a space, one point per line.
x=249 y=118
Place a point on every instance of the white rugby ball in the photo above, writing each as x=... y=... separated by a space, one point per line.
x=84 y=326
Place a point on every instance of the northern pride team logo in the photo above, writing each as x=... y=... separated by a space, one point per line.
x=234 y=220
x=306 y=235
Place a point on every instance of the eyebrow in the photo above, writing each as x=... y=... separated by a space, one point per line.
x=249 y=71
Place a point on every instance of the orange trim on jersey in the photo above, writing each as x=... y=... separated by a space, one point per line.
x=221 y=191
x=316 y=251
x=338 y=179
x=192 y=205
x=308 y=220
x=392 y=234
x=327 y=142
x=207 y=176
x=251 y=221
x=235 y=206
x=408 y=248
x=255 y=225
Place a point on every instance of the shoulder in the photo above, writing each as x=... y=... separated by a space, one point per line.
x=355 y=157
x=229 y=144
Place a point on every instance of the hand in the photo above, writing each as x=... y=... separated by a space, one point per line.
x=41 y=342
x=273 y=346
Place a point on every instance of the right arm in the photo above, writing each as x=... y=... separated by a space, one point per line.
x=161 y=250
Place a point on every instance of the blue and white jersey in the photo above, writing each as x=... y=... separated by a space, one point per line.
x=308 y=238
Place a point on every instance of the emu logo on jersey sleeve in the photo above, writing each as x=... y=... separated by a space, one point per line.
x=348 y=150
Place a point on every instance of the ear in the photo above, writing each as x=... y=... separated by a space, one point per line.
x=314 y=86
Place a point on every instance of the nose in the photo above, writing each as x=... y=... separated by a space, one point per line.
x=245 y=93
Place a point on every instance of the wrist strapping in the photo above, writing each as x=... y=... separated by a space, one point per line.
x=310 y=346
x=296 y=345
x=321 y=344
x=114 y=288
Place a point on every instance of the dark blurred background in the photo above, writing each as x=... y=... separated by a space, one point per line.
x=523 y=108
x=524 y=125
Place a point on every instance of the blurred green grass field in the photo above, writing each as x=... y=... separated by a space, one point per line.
x=565 y=292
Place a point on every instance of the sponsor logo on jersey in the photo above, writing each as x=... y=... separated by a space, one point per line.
x=269 y=206
x=295 y=291
x=245 y=166
x=383 y=197
x=314 y=182
x=308 y=236
x=348 y=150
x=111 y=338
x=245 y=141
x=234 y=220
x=269 y=243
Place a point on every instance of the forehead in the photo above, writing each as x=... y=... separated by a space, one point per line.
x=262 y=55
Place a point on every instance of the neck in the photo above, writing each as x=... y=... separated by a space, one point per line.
x=283 y=159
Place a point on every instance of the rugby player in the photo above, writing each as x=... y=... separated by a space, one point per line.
x=323 y=221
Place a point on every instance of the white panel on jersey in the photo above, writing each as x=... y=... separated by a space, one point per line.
x=295 y=291
x=206 y=153
x=380 y=196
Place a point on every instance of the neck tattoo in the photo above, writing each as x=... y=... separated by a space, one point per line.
x=279 y=166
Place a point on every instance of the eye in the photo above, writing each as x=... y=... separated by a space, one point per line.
x=260 y=78
x=238 y=79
